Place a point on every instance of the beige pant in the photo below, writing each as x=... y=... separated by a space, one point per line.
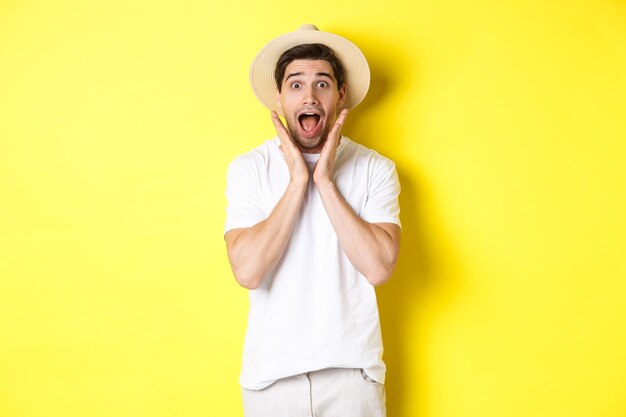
x=334 y=392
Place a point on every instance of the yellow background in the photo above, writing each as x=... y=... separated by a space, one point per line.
x=507 y=121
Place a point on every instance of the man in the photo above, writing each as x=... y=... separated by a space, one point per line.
x=312 y=226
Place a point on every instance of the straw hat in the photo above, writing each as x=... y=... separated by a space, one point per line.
x=357 y=71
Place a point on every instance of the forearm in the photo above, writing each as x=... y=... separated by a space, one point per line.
x=253 y=252
x=372 y=249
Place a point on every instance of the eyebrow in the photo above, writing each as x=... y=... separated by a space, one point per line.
x=319 y=74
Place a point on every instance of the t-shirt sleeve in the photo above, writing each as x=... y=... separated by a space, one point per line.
x=245 y=207
x=382 y=204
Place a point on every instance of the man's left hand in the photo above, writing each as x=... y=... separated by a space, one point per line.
x=325 y=168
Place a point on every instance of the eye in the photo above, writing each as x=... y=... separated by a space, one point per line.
x=295 y=85
x=322 y=84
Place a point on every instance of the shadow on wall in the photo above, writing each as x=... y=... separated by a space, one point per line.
x=397 y=298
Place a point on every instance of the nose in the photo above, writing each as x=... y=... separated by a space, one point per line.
x=309 y=96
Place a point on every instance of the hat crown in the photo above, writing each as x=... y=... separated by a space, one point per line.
x=308 y=26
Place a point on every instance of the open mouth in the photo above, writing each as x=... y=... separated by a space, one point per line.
x=309 y=121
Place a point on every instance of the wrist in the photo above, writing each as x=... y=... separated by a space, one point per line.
x=299 y=181
x=324 y=184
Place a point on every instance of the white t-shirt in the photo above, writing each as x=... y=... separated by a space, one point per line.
x=314 y=310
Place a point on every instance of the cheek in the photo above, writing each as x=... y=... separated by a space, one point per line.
x=331 y=101
x=288 y=100
x=331 y=96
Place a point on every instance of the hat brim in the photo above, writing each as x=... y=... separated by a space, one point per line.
x=357 y=72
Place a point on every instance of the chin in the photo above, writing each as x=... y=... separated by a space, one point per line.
x=310 y=143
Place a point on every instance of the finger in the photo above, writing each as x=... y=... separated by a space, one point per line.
x=278 y=124
x=281 y=130
x=335 y=133
x=342 y=118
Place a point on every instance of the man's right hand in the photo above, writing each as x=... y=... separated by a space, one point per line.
x=295 y=162
x=272 y=234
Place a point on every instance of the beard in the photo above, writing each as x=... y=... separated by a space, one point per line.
x=307 y=144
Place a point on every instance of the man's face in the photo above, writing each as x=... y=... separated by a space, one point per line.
x=309 y=98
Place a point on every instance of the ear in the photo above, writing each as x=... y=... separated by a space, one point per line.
x=279 y=104
x=278 y=101
x=342 y=95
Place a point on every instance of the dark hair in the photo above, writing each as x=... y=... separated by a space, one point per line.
x=312 y=51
